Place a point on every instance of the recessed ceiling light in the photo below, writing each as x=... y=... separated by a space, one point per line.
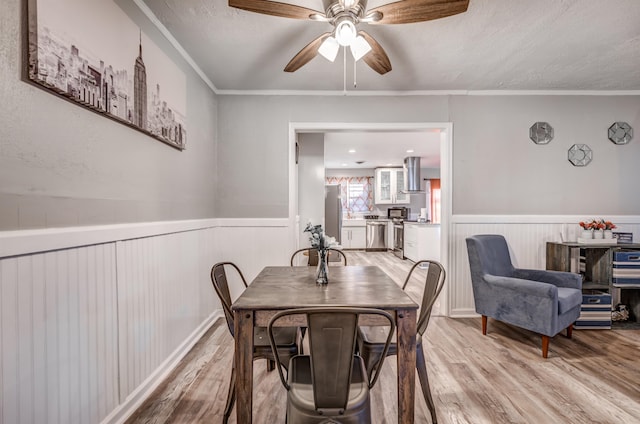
x=344 y=164
x=410 y=151
x=352 y=150
x=389 y=164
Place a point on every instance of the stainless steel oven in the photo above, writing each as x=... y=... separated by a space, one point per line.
x=398 y=238
x=398 y=215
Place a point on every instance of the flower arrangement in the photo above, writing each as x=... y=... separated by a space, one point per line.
x=318 y=239
x=323 y=243
x=597 y=224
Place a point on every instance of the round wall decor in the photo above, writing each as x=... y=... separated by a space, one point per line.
x=541 y=133
x=580 y=155
x=620 y=133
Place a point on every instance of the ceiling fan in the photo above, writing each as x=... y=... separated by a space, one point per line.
x=345 y=15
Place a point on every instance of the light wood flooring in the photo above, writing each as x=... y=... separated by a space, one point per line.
x=499 y=378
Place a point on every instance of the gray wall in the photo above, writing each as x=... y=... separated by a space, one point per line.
x=496 y=168
x=62 y=165
x=310 y=182
x=254 y=140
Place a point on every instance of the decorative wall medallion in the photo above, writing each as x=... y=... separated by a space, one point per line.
x=580 y=155
x=541 y=133
x=620 y=133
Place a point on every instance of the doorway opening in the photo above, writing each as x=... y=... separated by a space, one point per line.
x=445 y=131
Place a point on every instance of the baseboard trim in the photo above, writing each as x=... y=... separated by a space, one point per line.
x=463 y=313
x=121 y=413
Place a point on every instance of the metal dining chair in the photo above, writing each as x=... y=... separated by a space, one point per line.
x=371 y=339
x=287 y=339
x=329 y=384
x=335 y=255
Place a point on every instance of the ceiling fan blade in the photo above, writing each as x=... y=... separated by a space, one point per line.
x=377 y=59
x=306 y=54
x=274 y=8
x=409 y=11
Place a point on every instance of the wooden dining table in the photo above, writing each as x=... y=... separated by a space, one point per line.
x=278 y=288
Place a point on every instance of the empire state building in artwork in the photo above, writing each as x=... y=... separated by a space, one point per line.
x=140 y=92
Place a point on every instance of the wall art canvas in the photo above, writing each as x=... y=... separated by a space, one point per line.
x=92 y=53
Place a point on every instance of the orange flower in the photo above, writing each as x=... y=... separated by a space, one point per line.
x=597 y=224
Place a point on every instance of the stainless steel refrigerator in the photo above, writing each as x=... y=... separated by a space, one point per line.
x=333 y=211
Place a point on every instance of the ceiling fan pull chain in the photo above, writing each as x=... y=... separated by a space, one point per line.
x=344 y=70
x=354 y=73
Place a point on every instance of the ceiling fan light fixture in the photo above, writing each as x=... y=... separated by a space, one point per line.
x=348 y=4
x=345 y=32
x=359 y=48
x=329 y=49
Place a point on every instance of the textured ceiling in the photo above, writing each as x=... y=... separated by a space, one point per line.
x=495 y=45
x=380 y=149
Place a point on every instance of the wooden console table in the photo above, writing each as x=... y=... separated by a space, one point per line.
x=598 y=268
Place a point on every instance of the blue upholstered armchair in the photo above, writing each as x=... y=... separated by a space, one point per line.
x=545 y=302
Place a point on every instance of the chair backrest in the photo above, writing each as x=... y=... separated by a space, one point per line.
x=433 y=285
x=488 y=254
x=332 y=341
x=221 y=285
x=335 y=255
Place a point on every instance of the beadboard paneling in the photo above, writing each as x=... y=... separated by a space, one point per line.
x=92 y=318
x=526 y=237
x=59 y=341
x=252 y=248
x=164 y=294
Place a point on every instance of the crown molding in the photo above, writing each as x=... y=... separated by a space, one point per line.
x=155 y=21
x=398 y=93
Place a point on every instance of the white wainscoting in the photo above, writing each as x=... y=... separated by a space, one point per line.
x=59 y=336
x=93 y=318
x=526 y=237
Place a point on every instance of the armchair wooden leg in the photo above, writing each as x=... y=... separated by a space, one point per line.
x=545 y=346
x=569 y=331
x=484 y=325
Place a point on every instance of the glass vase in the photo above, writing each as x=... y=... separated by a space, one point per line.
x=322 y=272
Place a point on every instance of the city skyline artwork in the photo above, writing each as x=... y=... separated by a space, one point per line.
x=92 y=53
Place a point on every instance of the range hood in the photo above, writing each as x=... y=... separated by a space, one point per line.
x=412 y=169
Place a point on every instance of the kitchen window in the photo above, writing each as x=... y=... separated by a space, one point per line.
x=356 y=192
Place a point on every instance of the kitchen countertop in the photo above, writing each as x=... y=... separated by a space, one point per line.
x=362 y=222
x=422 y=224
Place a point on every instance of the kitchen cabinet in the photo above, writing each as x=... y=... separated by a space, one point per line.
x=389 y=184
x=354 y=238
x=421 y=241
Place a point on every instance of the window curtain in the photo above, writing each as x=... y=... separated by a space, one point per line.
x=434 y=202
x=356 y=193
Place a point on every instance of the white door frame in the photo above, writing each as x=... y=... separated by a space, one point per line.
x=446 y=174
